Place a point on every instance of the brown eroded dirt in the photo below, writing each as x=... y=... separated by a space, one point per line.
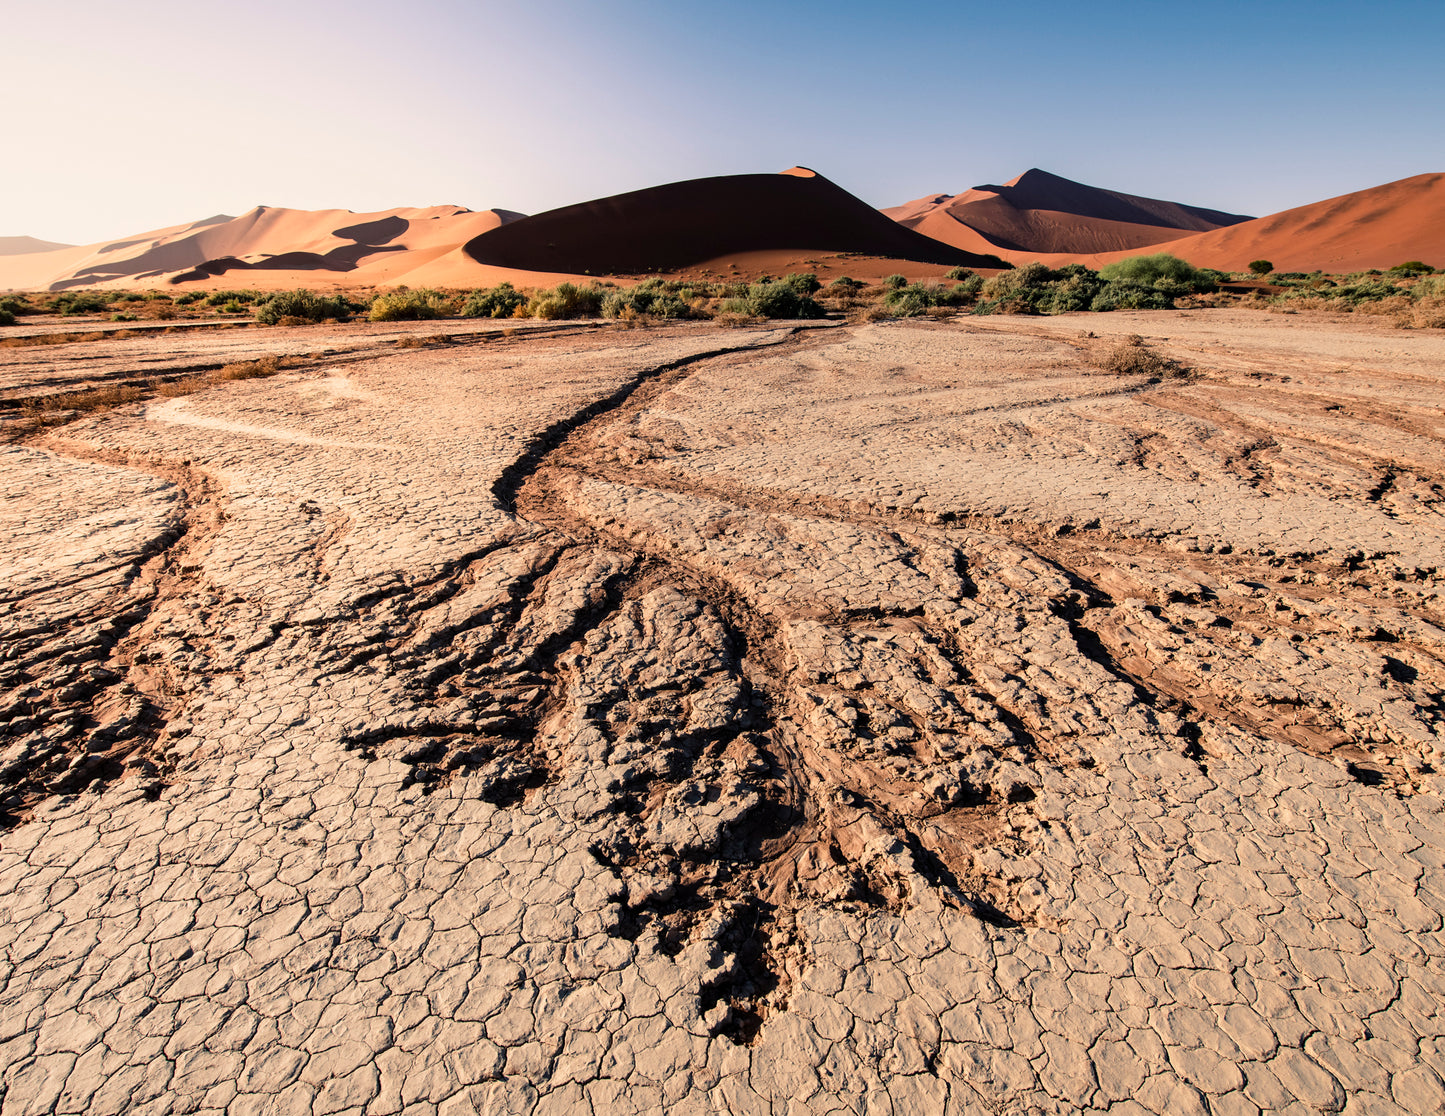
x=620 y=714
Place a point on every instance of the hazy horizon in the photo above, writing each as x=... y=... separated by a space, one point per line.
x=159 y=114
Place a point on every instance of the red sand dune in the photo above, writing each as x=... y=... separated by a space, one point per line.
x=1379 y=227
x=25 y=245
x=268 y=247
x=669 y=227
x=1039 y=212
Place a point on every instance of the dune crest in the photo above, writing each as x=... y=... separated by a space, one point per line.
x=25 y=245
x=1373 y=228
x=663 y=228
x=266 y=246
x=1039 y=212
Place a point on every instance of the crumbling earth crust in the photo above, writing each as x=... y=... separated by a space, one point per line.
x=889 y=718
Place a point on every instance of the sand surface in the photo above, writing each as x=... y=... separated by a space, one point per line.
x=270 y=248
x=898 y=718
x=1039 y=212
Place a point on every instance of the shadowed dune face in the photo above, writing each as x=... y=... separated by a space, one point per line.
x=684 y=223
x=1042 y=212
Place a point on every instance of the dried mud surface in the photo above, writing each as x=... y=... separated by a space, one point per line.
x=895 y=718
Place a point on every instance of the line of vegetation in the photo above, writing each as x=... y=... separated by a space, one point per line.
x=1411 y=293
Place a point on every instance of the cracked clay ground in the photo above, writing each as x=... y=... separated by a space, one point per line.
x=894 y=718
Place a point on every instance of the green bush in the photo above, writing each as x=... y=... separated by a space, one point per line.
x=188 y=298
x=233 y=307
x=919 y=298
x=501 y=301
x=1129 y=296
x=16 y=305
x=302 y=305
x=777 y=298
x=960 y=274
x=1432 y=286
x=1412 y=267
x=83 y=302
x=1037 y=289
x=6 y=318
x=123 y=318
x=409 y=306
x=970 y=287
x=567 y=300
x=894 y=281
x=1162 y=271
x=220 y=298
x=655 y=298
x=845 y=284
x=1260 y=267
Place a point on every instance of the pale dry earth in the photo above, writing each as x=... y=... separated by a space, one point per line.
x=889 y=718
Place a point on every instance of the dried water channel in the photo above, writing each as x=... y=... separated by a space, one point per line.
x=897 y=717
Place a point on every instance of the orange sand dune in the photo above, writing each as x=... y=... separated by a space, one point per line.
x=266 y=248
x=1378 y=227
x=665 y=228
x=1038 y=212
x=25 y=245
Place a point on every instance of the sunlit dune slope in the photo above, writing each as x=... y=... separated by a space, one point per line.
x=1378 y=227
x=1038 y=212
x=266 y=247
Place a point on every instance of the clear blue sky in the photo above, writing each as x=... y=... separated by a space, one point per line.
x=126 y=116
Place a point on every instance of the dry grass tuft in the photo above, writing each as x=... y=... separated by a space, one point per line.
x=1132 y=357
x=59 y=338
x=84 y=402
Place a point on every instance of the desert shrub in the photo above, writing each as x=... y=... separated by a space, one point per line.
x=245 y=298
x=970 y=287
x=781 y=298
x=403 y=305
x=1129 y=296
x=303 y=306
x=6 y=318
x=1411 y=267
x=805 y=283
x=1036 y=289
x=17 y=304
x=82 y=302
x=1260 y=267
x=188 y=298
x=233 y=307
x=894 y=281
x=501 y=301
x=919 y=298
x=655 y=298
x=129 y=296
x=124 y=317
x=1162 y=271
x=1432 y=286
x=960 y=274
x=1132 y=357
x=845 y=285
x=566 y=300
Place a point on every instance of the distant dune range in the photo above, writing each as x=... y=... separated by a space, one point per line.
x=25 y=245
x=1379 y=227
x=1041 y=212
x=683 y=224
x=269 y=248
x=740 y=224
